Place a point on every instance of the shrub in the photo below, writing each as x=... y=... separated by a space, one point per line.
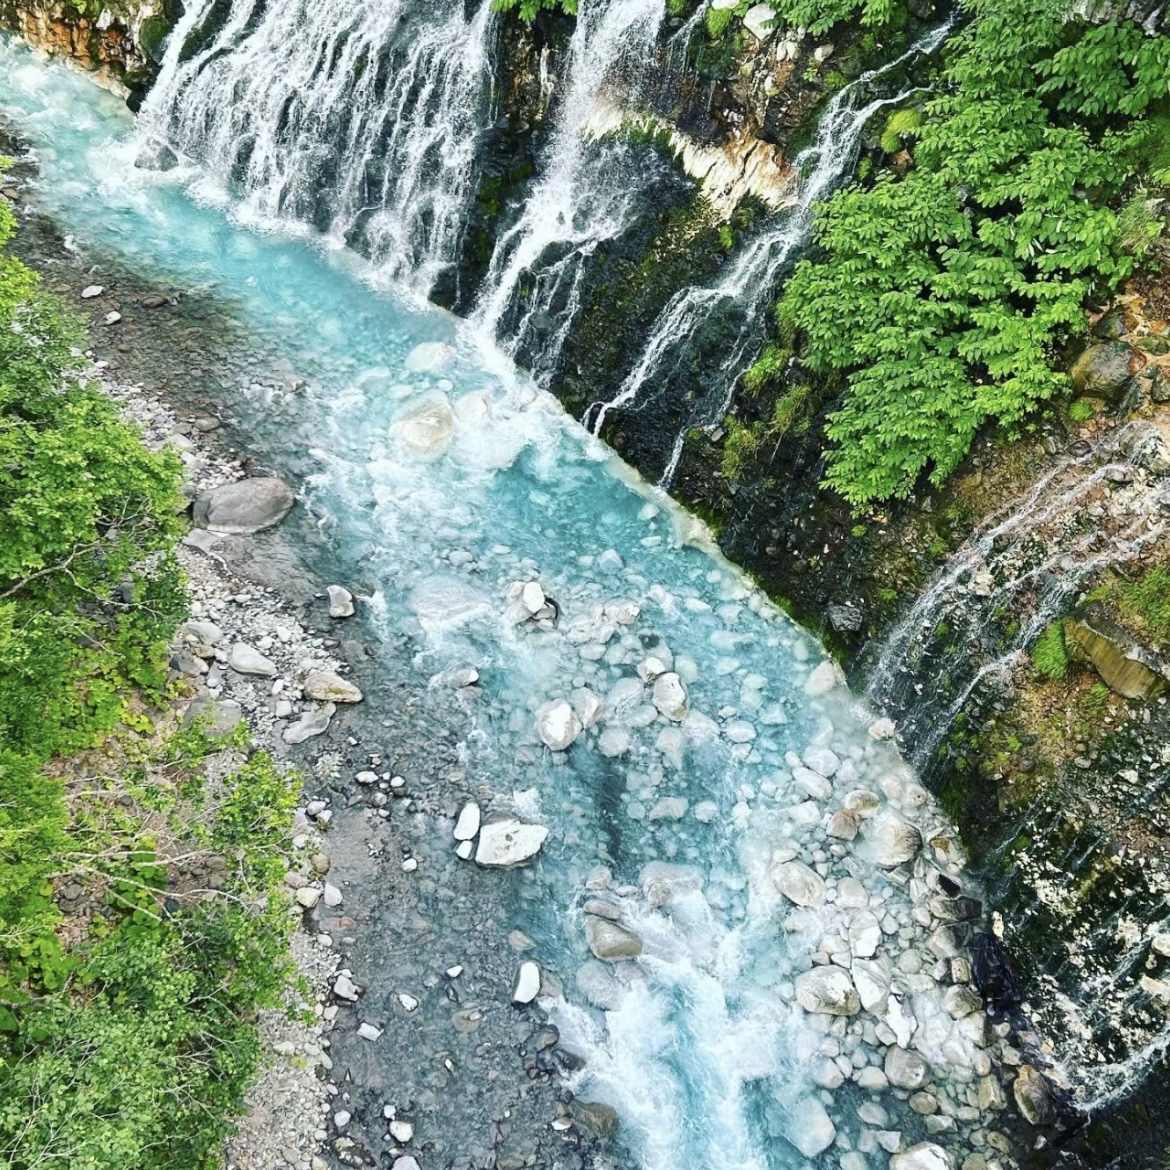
x=530 y=9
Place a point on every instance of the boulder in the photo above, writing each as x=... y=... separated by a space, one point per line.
x=890 y=841
x=426 y=428
x=558 y=725
x=326 y=686
x=823 y=679
x=467 y=825
x=871 y=977
x=924 y=1156
x=340 y=601
x=311 y=723
x=595 y=1118
x=670 y=696
x=428 y=357
x=609 y=941
x=219 y=716
x=799 y=884
x=827 y=991
x=906 y=1069
x=245 y=659
x=865 y=934
x=808 y=1127
x=244 y=507
x=1106 y=371
x=508 y=842
x=1122 y=671
x=1033 y=1098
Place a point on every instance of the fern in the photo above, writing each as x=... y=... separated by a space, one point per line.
x=1050 y=654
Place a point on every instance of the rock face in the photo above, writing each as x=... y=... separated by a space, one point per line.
x=1123 y=674
x=244 y=507
x=328 y=687
x=509 y=842
x=828 y=991
x=609 y=941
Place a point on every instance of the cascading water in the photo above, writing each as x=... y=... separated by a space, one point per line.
x=720 y=810
x=729 y=315
x=587 y=192
x=972 y=625
x=363 y=121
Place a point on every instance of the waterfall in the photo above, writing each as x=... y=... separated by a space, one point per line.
x=973 y=623
x=734 y=307
x=361 y=120
x=588 y=190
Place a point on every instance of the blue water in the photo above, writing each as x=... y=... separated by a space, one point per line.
x=703 y=1051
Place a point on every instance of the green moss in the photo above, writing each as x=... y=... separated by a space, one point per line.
x=1050 y=654
x=1081 y=411
x=1147 y=601
x=740 y=447
x=902 y=124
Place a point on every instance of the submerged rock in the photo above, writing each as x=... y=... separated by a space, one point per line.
x=244 y=507
x=428 y=357
x=425 y=429
x=509 y=842
x=809 y=1128
x=670 y=696
x=609 y=941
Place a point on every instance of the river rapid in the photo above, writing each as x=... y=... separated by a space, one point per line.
x=750 y=921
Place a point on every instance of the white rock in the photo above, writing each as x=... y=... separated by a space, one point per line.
x=341 y=1118
x=670 y=697
x=113 y=317
x=900 y=1021
x=924 y=1156
x=369 y=1032
x=799 y=884
x=809 y=1128
x=890 y=841
x=90 y=291
x=467 y=825
x=588 y=706
x=906 y=1069
x=865 y=935
x=882 y=729
x=464 y=850
x=509 y=842
x=455 y=972
x=822 y=680
x=345 y=988
x=408 y=1002
x=401 y=1131
x=759 y=21
x=326 y=686
x=614 y=742
x=340 y=601
x=532 y=596
x=311 y=723
x=558 y=725
x=812 y=783
x=526 y=985
x=405 y=1163
x=871 y=977
x=308 y=897
x=828 y=991
x=843 y=824
x=245 y=659
x=331 y=895
x=822 y=760
x=851 y=894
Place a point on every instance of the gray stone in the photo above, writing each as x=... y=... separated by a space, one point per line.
x=508 y=842
x=202 y=633
x=1106 y=371
x=827 y=991
x=609 y=941
x=245 y=659
x=595 y=1118
x=906 y=1069
x=326 y=686
x=1033 y=1098
x=311 y=723
x=244 y=507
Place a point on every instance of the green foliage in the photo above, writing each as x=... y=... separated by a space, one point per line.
x=741 y=444
x=1081 y=411
x=1050 y=655
x=1138 y=224
x=530 y=9
x=768 y=368
x=818 y=16
x=794 y=410
x=958 y=281
x=717 y=21
x=902 y=124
